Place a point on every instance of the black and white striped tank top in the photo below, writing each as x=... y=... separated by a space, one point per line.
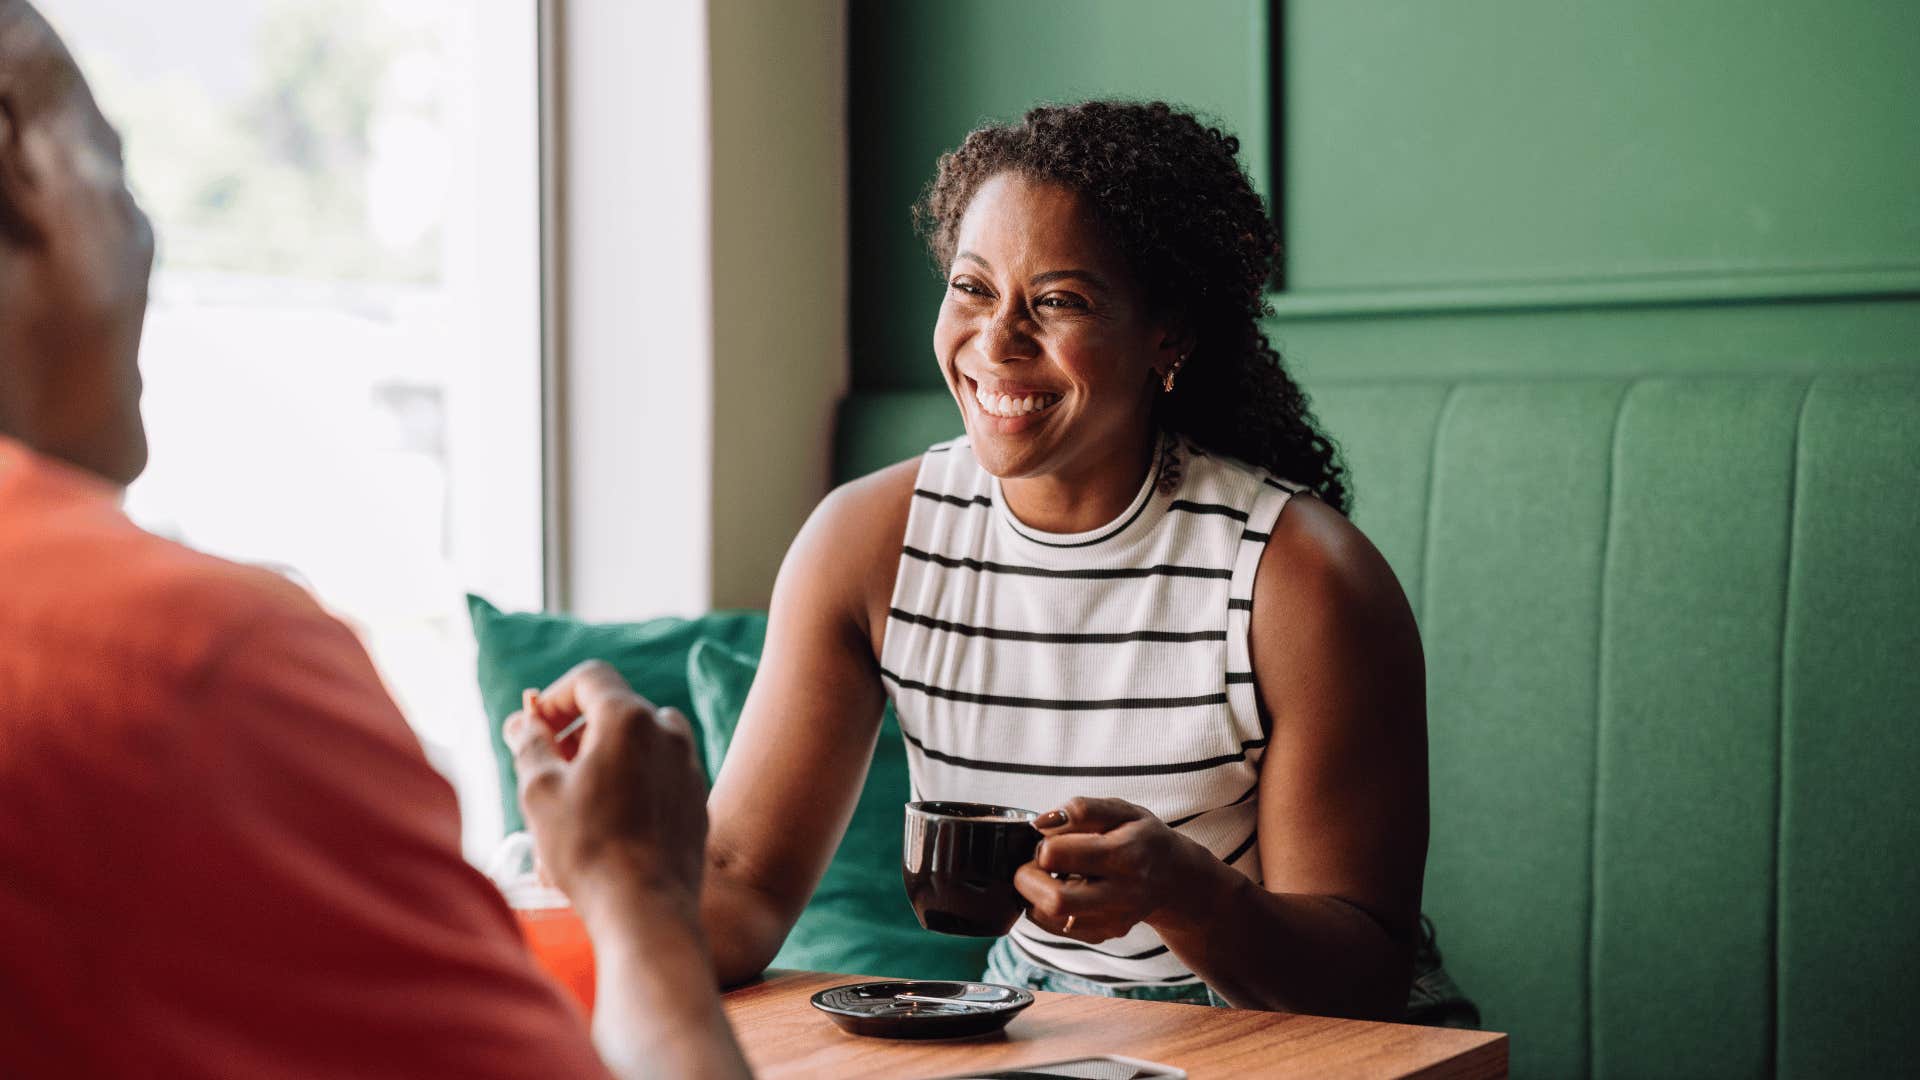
x=1029 y=667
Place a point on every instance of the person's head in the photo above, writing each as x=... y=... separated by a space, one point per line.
x=75 y=255
x=1090 y=250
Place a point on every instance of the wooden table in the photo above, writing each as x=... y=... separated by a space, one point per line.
x=784 y=1036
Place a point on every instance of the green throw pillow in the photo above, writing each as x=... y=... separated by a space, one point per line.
x=520 y=650
x=858 y=921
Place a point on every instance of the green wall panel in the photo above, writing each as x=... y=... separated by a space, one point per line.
x=924 y=74
x=1689 y=728
x=1850 y=856
x=1509 y=140
x=1511 y=628
x=1770 y=338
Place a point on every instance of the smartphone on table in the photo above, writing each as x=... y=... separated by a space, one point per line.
x=1104 y=1067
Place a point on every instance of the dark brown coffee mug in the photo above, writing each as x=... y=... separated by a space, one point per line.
x=959 y=863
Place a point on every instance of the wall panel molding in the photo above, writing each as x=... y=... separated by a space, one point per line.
x=1666 y=290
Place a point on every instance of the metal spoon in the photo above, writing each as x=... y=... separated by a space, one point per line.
x=926 y=999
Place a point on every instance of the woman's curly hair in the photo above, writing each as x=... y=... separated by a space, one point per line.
x=1170 y=192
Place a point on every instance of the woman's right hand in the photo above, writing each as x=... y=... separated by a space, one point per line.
x=628 y=810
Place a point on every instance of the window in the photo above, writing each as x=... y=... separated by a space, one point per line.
x=342 y=353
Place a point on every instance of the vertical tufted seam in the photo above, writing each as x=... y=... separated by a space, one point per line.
x=1792 y=524
x=1590 y=992
x=1431 y=510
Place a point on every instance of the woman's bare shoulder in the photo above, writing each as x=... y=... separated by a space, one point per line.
x=870 y=513
x=848 y=552
x=1316 y=546
x=1322 y=584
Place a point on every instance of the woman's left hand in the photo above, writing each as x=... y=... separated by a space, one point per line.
x=1103 y=866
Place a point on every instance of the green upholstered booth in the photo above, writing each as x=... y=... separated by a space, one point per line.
x=1673 y=657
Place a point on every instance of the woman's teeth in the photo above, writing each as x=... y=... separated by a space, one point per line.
x=1006 y=405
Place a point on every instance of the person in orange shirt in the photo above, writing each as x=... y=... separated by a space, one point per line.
x=222 y=852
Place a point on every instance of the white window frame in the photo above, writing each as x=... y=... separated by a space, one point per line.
x=686 y=443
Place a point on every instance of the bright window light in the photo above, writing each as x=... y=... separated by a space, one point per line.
x=342 y=354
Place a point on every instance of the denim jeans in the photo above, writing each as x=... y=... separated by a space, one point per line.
x=1009 y=966
x=1434 y=1000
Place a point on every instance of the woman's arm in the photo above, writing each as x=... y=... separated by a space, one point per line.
x=1343 y=802
x=799 y=758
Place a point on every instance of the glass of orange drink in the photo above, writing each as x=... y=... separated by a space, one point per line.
x=553 y=930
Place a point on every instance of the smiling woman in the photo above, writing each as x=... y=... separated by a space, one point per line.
x=1175 y=223
x=1049 y=352
x=1116 y=601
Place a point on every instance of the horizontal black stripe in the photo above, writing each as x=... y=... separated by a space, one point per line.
x=1155 y=951
x=939 y=449
x=1245 y=846
x=1028 y=768
x=1248 y=794
x=1251 y=537
x=1235 y=604
x=1056 y=639
x=1239 y=677
x=1102 y=978
x=1162 y=570
x=1184 y=506
x=952 y=500
x=1059 y=704
x=1277 y=485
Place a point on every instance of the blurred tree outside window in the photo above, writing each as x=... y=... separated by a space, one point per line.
x=342 y=353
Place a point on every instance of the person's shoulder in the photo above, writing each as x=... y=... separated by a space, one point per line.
x=87 y=579
x=879 y=497
x=864 y=518
x=172 y=582
x=870 y=512
x=128 y=637
x=1329 y=617
x=1320 y=569
x=172 y=575
x=848 y=552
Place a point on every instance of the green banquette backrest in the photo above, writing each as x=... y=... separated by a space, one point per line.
x=1672 y=630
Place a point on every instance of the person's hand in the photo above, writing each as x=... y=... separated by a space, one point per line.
x=626 y=811
x=1106 y=864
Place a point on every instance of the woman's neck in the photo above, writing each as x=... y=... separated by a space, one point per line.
x=1083 y=498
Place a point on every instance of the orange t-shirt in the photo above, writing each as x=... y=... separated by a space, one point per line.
x=222 y=852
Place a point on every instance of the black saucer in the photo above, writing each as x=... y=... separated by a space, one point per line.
x=873 y=1008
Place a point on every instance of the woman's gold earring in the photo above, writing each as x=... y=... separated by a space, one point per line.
x=1166 y=384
